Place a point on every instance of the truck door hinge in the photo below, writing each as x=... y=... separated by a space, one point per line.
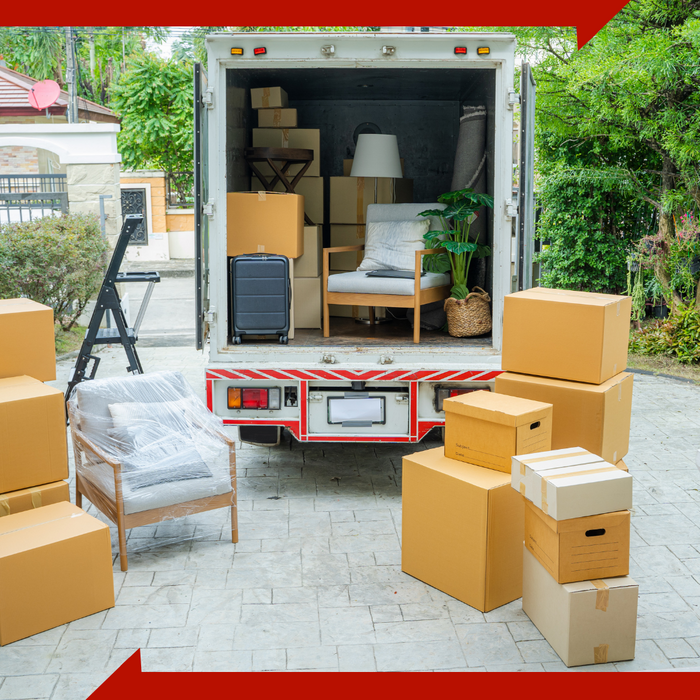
x=513 y=98
x=316 y=398
x=386 y=360
x=208 y=98
x=208 y=208
x=388 y=50
x=401 y=398
x=210 y=315
x=328 y=50
x=328 y=359
x=511 y=209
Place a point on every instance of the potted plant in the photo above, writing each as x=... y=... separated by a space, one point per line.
x=468 y=313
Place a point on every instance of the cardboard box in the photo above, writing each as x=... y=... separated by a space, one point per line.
x=343 y=235
x=33 y=447
x=310 y=188
x=55 y=567
x=581 y=548
x=307 y=302
x=488 y=429
x=566 y=335
x=277 y=118
x=27 y=340
x=623 y=466
x=573 y=487
x=347 y=167
x=265 y=222
x=290 y=138
x=350 y=196
x=462 y=529
x=269 y=97
x=35 y=497
x=588 y=622
x=310 y=263
x=593 y=416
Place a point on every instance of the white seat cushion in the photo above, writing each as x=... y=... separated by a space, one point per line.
x=359 y=283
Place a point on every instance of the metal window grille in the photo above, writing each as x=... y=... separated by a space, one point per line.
x=28 y=197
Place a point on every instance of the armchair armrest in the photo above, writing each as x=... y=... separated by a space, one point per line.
x=90 y=446
x=343 y=249
x=419 y=265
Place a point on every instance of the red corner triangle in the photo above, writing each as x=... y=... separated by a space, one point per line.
x=126 y=676
x=597 y=14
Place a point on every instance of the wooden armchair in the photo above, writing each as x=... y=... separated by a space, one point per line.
x=355 y=288
x=108 y=474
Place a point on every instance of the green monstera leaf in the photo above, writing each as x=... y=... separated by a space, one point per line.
x=459 y=291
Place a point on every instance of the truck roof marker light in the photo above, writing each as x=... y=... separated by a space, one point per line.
x=236 y=52
x=260 y=51
x=461 y=50
x=483 y=51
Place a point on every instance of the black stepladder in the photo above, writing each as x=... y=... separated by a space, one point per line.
x=108 y=300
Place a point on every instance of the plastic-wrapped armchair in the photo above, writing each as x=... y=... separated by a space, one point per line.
x=147 y=450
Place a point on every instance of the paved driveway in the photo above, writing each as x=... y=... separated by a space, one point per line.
x=315 y=581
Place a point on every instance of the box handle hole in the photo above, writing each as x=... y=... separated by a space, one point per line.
x=595 y=533
x=533 y=426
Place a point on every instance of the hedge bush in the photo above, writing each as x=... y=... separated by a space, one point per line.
x=55 y=260
x=678 y=336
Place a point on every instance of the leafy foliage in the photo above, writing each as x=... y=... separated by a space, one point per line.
x=456 y=218
x=678 y=336
x=56 y=260
x=154 y=99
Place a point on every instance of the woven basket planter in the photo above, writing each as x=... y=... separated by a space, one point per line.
x=470 y=316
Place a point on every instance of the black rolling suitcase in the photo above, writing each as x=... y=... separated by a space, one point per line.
x=260 y=296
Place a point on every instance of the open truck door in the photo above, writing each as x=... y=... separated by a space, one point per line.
x=201 y=199
x=526 y=194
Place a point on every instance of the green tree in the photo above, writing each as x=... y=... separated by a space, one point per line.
x=154 y=100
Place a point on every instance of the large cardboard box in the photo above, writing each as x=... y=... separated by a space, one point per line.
x=277 y=118
x=581 y=548
x=489 y=429
x=350 y=196
x=35 y=497
x=310 y=263
x=462 y=529
x=621 y=465
x=33 y=447
x=290 y=138
x=588 y=622
x=562 y=334
x=268 y=98
x=27 y=340
x=572 y=487
x=310 y=188
x=264 y=222
x=347 y=167
x=593 y=416
x=307 y=302
x=55 y=567
x=346 y=235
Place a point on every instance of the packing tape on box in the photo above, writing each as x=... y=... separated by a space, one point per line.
x=45 y=522
x=546 y=478
x=600 y=654
x=36 y=498
x=285 y=138
x=602 y=596
x=360 y=200
x=535 y=460
x=522 y=488
x=277 y=117
x=262 y=196
x=4 y=507
x=266 y=97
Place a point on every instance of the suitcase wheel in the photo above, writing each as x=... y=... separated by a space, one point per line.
x=284 y=340
x=237 y=340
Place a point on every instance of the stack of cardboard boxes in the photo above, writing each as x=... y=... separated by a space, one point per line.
x=569 y=349
x=54 y=566
x=462 y=523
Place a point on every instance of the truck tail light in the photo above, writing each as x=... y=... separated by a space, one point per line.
x=461 y=50
x=442 y=393
x=261 y=50
x=255 y=398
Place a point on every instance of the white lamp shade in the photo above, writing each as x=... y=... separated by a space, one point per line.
x=376 y=155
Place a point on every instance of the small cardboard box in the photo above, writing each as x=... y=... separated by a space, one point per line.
x=462 y=529
x=35 y=497
x=581 y=548
x=290 y=138
x=27 y=340
x=347 y=167
x=593 y=416
x=572 y=487
x=310 y=188
x=310 y=263
x=623 y=466
x=344 y=235
x=55 y=567
x=264 y=222
x=588 y=622
x=277 y=118
x=33 y=447
x=307 y=302
x=350 y=196
x=488 y=429
x=563 y=334
x=268 y=98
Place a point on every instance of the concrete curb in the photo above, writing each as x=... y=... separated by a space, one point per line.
x=650 y=373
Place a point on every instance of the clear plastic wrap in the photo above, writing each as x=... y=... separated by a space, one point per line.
x=147 y=450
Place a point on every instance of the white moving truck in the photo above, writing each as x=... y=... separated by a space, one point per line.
x=412 y=85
